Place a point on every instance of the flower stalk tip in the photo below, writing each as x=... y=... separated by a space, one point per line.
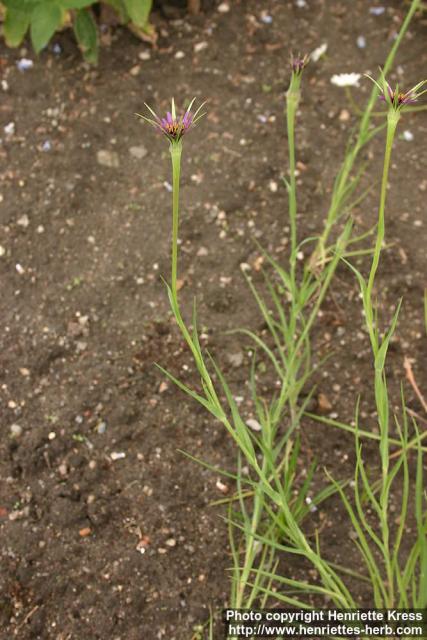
x=396 y=99
x=299 y=63
x=172 y=126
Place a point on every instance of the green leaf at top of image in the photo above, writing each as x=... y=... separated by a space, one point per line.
x=119 y=8
x=75 y=4
x=87 y=35
x=15 y=25
x=21 y=5
x=139 y=11
x=45 y=19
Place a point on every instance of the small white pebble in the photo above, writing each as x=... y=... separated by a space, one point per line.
x=20 y=269
x=310 y=504
x=101 y=427
x=200 y=46
x=221 y=486
x=52 y=435
x=179 y=55
x=253 y=424
x=361 y=42
x=24 y=64
x=224 y=7
x=317 y=53
x=273 y=186
x=16 y=430
x=376 y=11
x=23 y=221
x=9 y=129
x=408 y=135
x=144 y=55
x=117 y=455
x=2 y=251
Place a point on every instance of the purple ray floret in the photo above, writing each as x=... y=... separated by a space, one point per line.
x=186 y=121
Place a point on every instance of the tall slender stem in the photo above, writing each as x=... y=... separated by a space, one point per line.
x=292 y=101
x=175 y=151
x=381 y=395
x=392 y=120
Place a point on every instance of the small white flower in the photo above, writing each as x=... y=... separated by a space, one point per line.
x=346 y=79
x=317 y=53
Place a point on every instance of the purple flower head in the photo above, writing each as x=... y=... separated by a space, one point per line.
x=397 y=99
x=172 y=126
x=298 y=63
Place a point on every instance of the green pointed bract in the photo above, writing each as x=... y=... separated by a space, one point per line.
x=190 y=105
x=151 y=111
